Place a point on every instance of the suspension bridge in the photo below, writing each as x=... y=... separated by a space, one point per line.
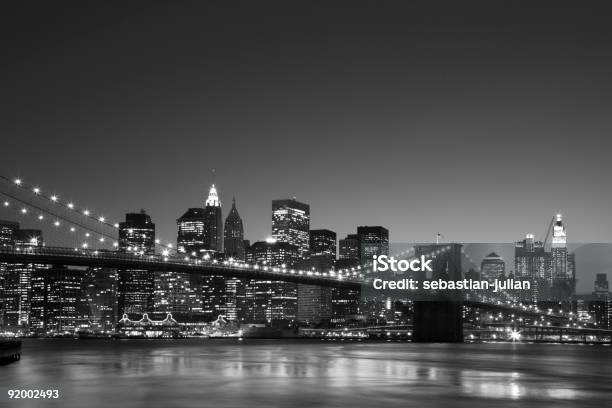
x=90 y=240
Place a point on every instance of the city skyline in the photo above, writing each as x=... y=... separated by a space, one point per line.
x=453 y=126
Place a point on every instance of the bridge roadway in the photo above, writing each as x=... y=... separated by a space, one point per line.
x=158 y=263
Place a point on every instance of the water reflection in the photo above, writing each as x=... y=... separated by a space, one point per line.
x=277 y=373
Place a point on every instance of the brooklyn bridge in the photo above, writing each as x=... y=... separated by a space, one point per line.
x=435 y=318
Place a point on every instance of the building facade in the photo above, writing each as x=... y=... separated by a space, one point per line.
x=291 y=223
x=136 y=287
x=373 y=241
x=492 y=267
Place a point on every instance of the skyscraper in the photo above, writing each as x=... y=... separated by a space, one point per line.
x=16 y=278
x=323 y=242
x=530 y=259
x=56 y=300
x=314 y=302
x=213 y=222
x=8 y=230
x=492 y=267
x=135 y=287
x=213 y=287
x=272 y=302
x=600 y=307
x=349 y=247
x=291 y=223
x=559 y=250
x=601 y=288
x=100 y=292
x=137 y=233
x=233 y=240
x=233 y=245
x=372 y=241
x=190 y=238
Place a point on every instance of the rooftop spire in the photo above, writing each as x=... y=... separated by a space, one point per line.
x=213 y=198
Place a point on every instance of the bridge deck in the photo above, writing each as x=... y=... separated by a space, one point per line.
x=156 y=263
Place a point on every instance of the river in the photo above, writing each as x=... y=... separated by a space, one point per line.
x=284 y=373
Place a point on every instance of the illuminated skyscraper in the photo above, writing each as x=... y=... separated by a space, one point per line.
x=56 y=300
x=349 y=247
x=16 y=278
x=372 y=241
x=492 y=267
x=137 y=234
x=272 y=302
x=234 y=234
x=233 y=245
x=559 y=250
x=135 y=287
x=323 y=242
x=213 y=222
x=190 y=226
x=8 y=230
x=314 y=302
x=530 y=259
x=174 y=293
x=100 y=293
x=291 y=223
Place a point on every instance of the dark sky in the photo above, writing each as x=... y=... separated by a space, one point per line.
x=476 y=120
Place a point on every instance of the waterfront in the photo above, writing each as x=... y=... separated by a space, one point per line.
x=233 y=373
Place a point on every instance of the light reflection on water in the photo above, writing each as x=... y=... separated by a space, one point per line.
x=228 y=373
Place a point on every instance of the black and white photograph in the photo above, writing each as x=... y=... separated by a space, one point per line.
x=306 y=204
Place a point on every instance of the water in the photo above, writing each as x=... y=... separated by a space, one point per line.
x=279 y=373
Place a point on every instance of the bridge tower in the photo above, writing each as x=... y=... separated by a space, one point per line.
x=438 y=316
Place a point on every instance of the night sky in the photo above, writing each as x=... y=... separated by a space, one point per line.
x=476 y=120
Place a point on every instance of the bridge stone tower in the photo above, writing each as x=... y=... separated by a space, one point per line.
x=438 y=316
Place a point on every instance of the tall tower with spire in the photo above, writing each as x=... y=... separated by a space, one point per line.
x=213 y=222
x=233 y=239
x=559 y=249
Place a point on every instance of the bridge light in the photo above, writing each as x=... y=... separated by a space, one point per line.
x=71 y=206
x=84 y=245
x=72 y=229
x=115 y=244
x=169 y=245
x=41 y=217
x=515 y=335
x=87 y=234
x=116 y=225
x=53 y=198
x=102 y=219
x=86 y=212
x=18 y=182
x=56 y=223
x=36 y=190
x=6 y=203
x=157 y=241
x=101 y=239
x=165 y=252
x=24 y=210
